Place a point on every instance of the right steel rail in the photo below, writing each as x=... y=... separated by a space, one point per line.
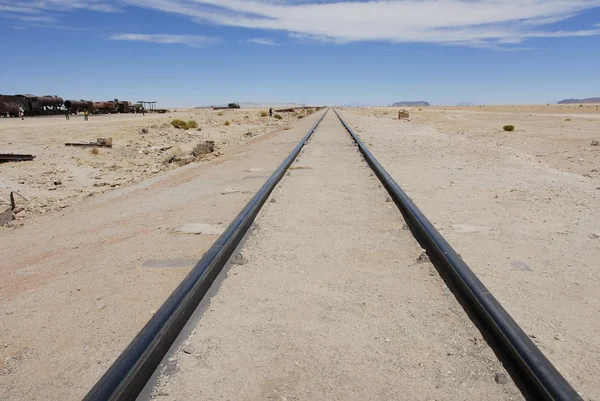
x=537 y=371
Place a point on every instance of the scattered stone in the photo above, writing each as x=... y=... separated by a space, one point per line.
x=239 y=259
x=99 y=184
x=187 y=350
x=58 y=182
x=595 y=143
x=52 y=189
x=501 y=378
x=596 y=235
x=558 y=337
x=387 y=340
x=388 y=199
x=405 y=227
x=403 y=114
x=423 y=258
x=273 y=200
x=144 y=130
x=229 y=191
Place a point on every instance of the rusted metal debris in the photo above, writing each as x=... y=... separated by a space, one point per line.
x=8 y=215
x=12 y=157
x=291 y=110
x=100 y=143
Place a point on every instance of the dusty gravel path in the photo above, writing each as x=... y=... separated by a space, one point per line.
x=529 y=231
x=77 y=285
x=332 y=304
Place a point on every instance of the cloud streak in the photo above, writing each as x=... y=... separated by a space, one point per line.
x=259 y=41
x=480 y=23
x=462 y=22
x=189 y=40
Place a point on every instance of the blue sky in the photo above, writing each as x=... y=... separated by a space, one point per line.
x=186 y=53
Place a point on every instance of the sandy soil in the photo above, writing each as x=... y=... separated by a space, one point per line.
x=60 y=175
x=76 y=285
x=332 y=303
x=528 y=225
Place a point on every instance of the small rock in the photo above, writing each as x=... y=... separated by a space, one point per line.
x=596 y=235
x=388 y=199
x=229 y=191
x=387 y=340
x=188 y=350
x=405 y=227
x=52 y=189
x=58 y=182
x=239 y=259
x=595 y=143
x=144 y=130
x=501 y=378
x=423 y=258
x=273 y=200
x=558 y=337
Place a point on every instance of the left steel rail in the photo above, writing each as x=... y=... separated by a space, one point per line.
x=128 y=375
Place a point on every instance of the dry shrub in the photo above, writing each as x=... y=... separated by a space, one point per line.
x=264 y=114
x=203 y=148
x=179 y=124
x=95 y=151
x=508 y=128
x=277 y=116
x=227 y=123
x=192 y=124
x=220 y=113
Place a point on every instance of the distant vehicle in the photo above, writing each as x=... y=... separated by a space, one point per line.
x=233 y=105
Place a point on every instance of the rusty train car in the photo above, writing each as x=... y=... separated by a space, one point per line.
x=76 y=106
x=9 y=106
x=33 y=105
x=41 y=105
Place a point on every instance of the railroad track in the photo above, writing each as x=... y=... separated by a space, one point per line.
x=359 y=277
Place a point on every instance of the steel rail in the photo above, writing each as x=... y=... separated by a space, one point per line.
x=536 y=369
x=128 y=375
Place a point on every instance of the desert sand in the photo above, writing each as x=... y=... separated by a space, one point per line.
x=80 y=274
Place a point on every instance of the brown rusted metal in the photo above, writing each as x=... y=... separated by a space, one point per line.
x=100 y=143
x=9 y=105
x=11 y=157
x=290 y=110
x=76 y=106
x=40 y=105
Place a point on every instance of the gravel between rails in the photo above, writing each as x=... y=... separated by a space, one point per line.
x=330 y=302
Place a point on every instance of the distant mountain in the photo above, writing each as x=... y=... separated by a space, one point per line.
x=407 y=104
x=465 y=104
x=575 y=101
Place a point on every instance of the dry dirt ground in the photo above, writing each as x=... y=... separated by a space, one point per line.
x=61 y=175
x=332 y=303
x=77 y=284
x=521 y=208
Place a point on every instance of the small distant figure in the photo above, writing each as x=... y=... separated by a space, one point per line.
x=143 y=111
x=271 y=112
x=21 y=113
x=68 y=115
x=86 y=115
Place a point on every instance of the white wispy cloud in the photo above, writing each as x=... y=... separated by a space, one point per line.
x=463 y=22
x=189 y=40
x=481 y=23
x=259 y=41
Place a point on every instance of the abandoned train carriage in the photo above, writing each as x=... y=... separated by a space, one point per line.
x=9 y=106
x=40 y=105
